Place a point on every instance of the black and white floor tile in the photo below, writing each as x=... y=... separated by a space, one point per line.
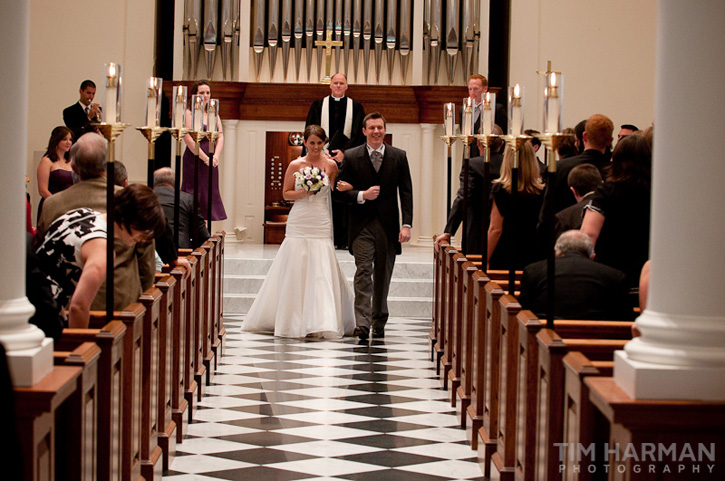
x=284 y=409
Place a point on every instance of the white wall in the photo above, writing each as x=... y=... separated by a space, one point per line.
x=69 y=42
x=605 y=49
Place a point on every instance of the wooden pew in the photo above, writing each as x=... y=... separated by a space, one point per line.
x=463 y=393
x=438 y=289
x=583 y=424
x=526 y=402
x=180 y=372
x=218 y=332
x=198 y=319
x=490 y=358
x=550 y=389
x=166 y=283
x=636 y=422
x=151 y=453
x=479 y=352
x=133 y=318
x=208 y=303
x=35 y=414
x=455 y=326
x=108 y=440
x=442 y=325
x=77 y=418
x=192 y=354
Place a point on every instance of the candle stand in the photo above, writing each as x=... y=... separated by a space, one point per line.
x=486 y=142
x=151 y=134
x=449 y=140
x=110 y=131
x=551 y=141
x=178 y=134
x=466 y=139
x=197 y=136
x=515 y=142
x=212 y=135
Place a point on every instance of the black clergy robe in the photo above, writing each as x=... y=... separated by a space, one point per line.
x=337 y=113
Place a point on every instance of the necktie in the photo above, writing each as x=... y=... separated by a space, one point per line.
x=477 y=113
x=377 y=159
x=88 y=109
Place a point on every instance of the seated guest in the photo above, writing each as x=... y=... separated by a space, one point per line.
x=567 y=145
x=134 y=265
x=48 y=315
x=584 y=289
x=54 y=171
x=73 y=251
x=515 y=222
x=625 y=130
x=618 y=217
x=120 y=174
x=164 y=188
x=583 y=181
x=475 y=218
x=536 y=144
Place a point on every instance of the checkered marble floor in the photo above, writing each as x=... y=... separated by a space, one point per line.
x=285 y=409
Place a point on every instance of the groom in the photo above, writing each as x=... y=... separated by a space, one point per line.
x=379 y=174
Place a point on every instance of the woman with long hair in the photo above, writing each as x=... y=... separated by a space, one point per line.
x=514 y=220
x=54 y=170
x=208 y=165
x=617 y=219
x=305 y=293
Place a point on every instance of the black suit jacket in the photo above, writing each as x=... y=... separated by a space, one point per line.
x=187 y=216
x=571 y=217
x=75 y=119
x=584 y=289
x=394 y=181
x=500 y=118
x=475 y=216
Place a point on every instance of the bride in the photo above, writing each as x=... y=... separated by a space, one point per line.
x=305 y=293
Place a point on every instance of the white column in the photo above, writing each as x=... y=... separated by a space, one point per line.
x=424 y=216
x=681 y=353
x=30 y=353
x=228 y=174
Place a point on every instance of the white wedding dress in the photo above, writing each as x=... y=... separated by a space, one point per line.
x=305 y=292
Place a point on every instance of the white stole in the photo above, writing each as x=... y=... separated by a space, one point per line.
x=325 y=117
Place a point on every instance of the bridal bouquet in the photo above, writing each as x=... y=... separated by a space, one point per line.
x=311 y=179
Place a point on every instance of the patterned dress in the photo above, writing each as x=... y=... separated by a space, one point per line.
x=60 y=251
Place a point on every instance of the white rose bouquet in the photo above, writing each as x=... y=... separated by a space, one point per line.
x=311 y=179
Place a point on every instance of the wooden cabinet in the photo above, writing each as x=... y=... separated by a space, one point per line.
x=281 y=149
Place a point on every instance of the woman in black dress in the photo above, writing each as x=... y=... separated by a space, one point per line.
x=515 y=222
x=617 y=219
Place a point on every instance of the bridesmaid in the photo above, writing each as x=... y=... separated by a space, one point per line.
x=217 y=207
x=54 y=170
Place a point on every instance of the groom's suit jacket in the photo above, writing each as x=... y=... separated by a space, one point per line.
x=394 y=181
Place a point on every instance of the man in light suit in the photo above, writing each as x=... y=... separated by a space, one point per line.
x=80 y=113
x=380 y=175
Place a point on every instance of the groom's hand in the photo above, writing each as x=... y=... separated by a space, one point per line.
x=404 y=235
x=372 y=193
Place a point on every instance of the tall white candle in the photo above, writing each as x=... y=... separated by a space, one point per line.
x=111 y=95
x=198 y=112
x=150 y=111
x=517 y=120
x=467 y=117
x=553 y=103
x=179 y=106
x=489 y=105
x=449 y=121
x=212 y=115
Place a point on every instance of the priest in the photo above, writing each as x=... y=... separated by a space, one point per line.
x=342 y=119
x=340 y=116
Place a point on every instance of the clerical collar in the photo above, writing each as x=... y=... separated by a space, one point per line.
x=337 y=99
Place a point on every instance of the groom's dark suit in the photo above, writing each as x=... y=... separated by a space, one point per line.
x=375 y=225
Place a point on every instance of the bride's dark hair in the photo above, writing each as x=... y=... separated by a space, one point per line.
x=315 y=130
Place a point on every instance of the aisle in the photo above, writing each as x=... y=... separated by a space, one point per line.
x=294 y=409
